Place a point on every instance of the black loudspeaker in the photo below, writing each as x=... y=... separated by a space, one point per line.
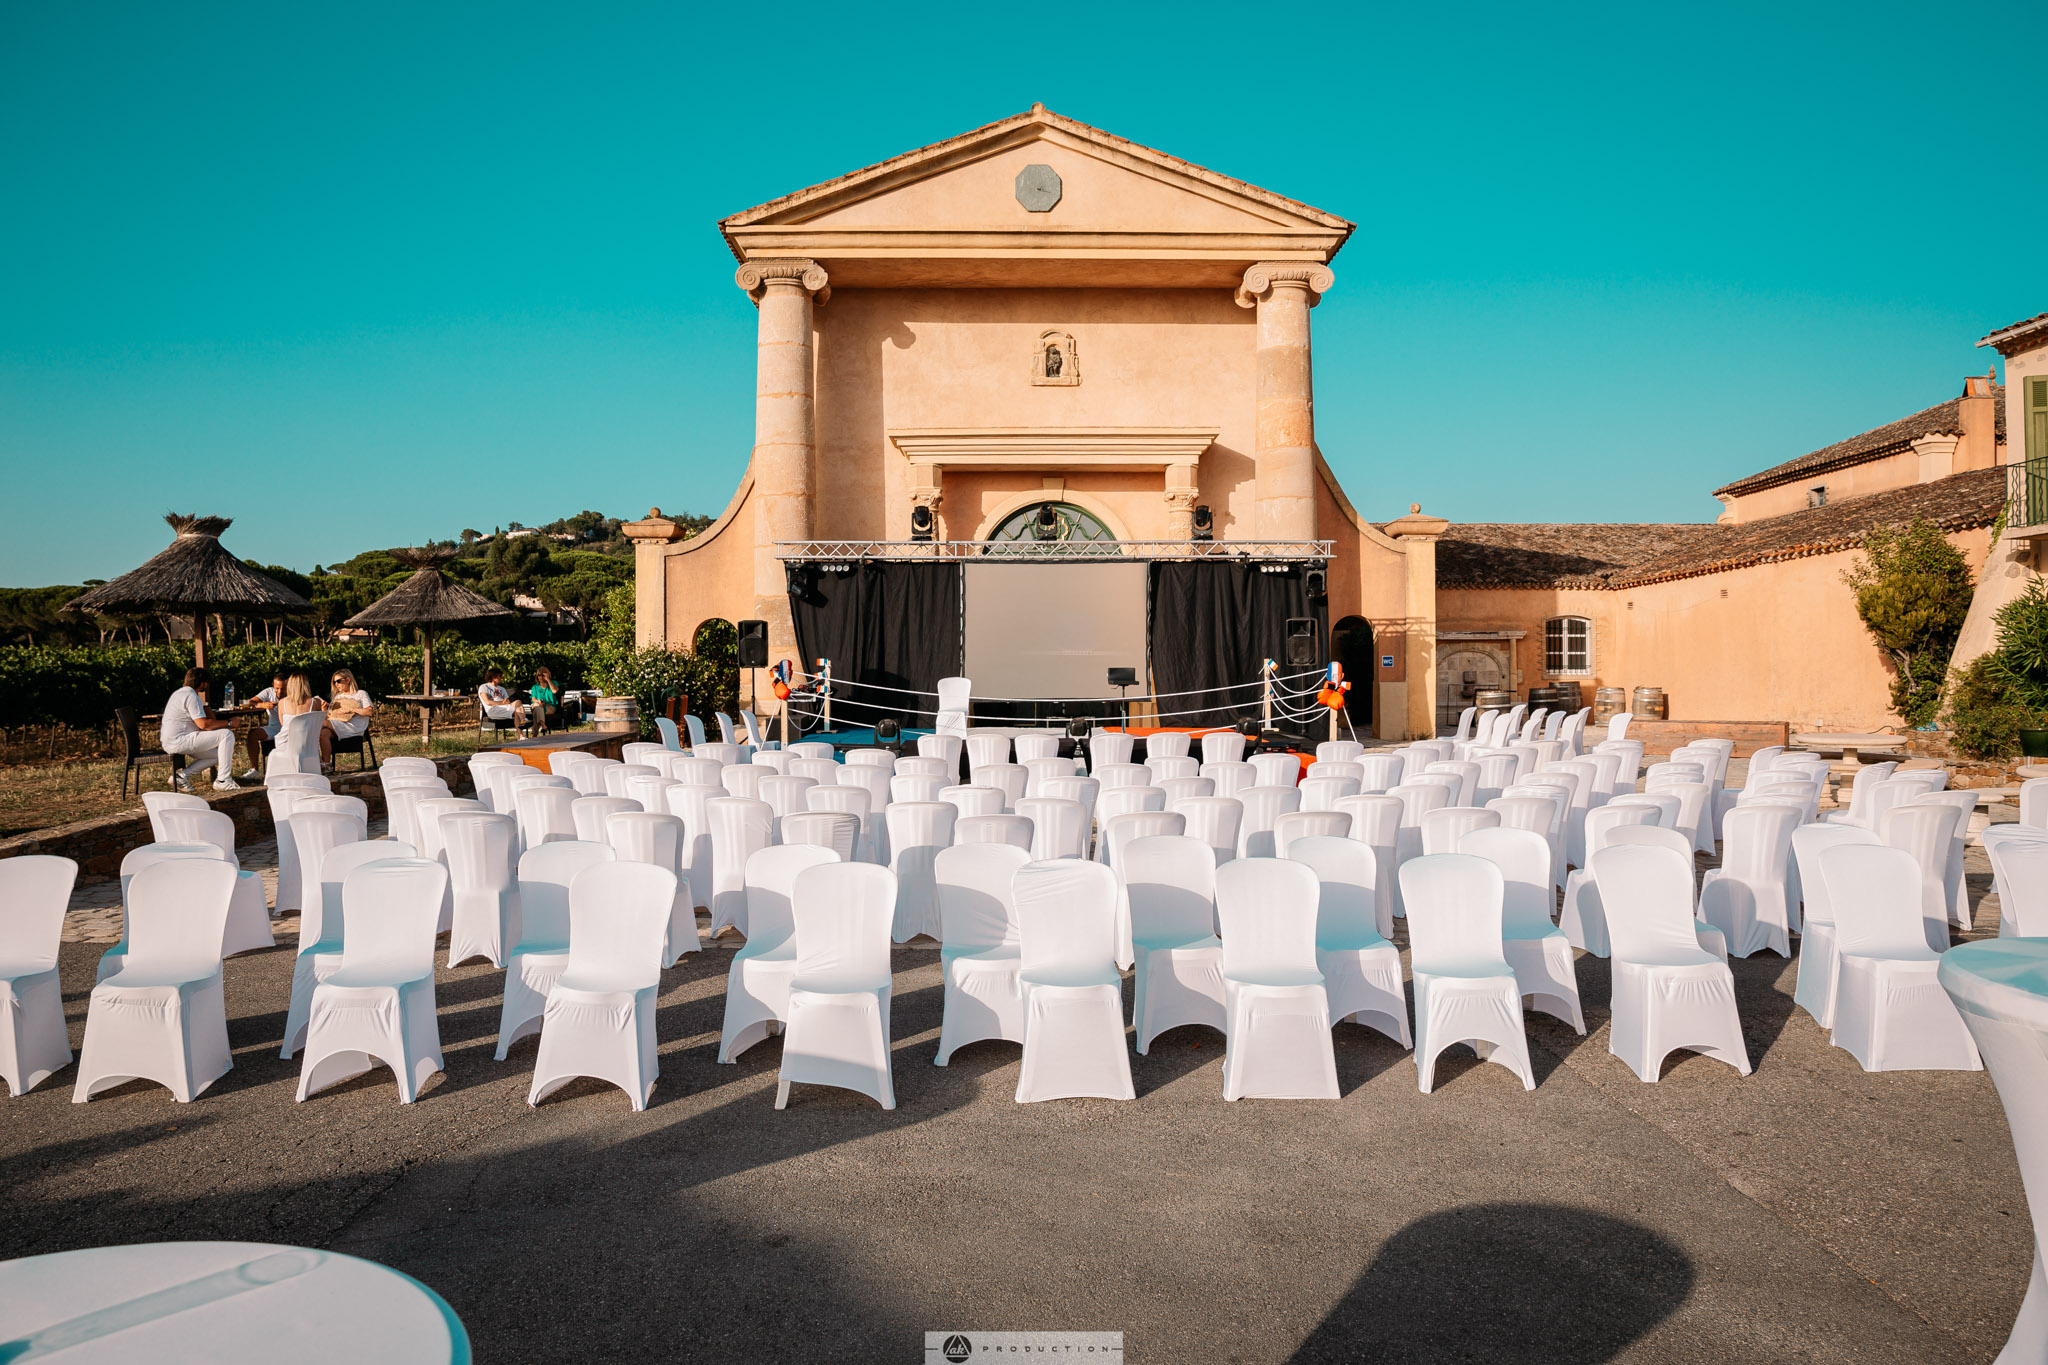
x=920 y=522
x=1301 y=642
x=753 y=644
x=1123 y=677
x=1205 y=523
x=1317 y=584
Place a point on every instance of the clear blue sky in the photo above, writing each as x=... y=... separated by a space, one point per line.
x=366 y=276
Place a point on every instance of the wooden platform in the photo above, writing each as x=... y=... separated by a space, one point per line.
x=1662 y=736
x=538 y=752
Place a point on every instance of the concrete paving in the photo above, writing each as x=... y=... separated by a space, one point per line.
x=1807 y=1212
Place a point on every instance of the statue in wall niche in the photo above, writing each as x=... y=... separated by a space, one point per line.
x=1052 y=362
x=1055 y=360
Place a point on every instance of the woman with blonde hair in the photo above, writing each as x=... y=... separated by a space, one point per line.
x=297 y=700
x=348 y=710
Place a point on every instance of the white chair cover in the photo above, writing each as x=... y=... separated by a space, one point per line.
x=1376 y=823
x=1108 y=747
x=2019 y=873
x=1361 y=970
x=917 y=765
x=1179 y=789
x=481 y=853
x=154 y=804
x=378 y=1005
x=1925 y=831
x=1222 y=746
x=298 y=745
x=872 y=843
x=742 y=780
x=974 y=800
x=1464 y=989
x=1166 y=767
x=600 y=1015
x=985 y=749
x=1309 y=824
x=1215 y=820
x=757 y=983
x=912 y=787
x=1323 y=793
x=1277 y=1012
x=694 y=771
x=1008 y=778
x=1339 y=750
x=162 y=1016
x=248 y=927
x=917 y=831
x=785 y=796
x=321 y=928
x=1030 y=748
x=1276 y=770
x=1115 y=775
x=657 y=840
x=542 y=951
x=2034 y=802
x=592 y=815
x=1669 y=993
x=1168 y=744
x=1814 y=990
x=1170 y=890
x=1263 y=807
x=873 y=758
x=691 y=805
x=980 y=959
x=1073 y=994
x=35 y=892
x=1334 y=767
x=740 y=828
x=835 y=830
x=547 y=813
x=1534 y=947
x=1468 y=779
x=1383 y=773
x=945 y=748
x=1417 y=800
x=726 y=755
x=1745 y=897
x=588 y=777
x=1230 y=778
x=813 y=748
x=838 y=1029
x=1891 y=1013
x=1583 y=921
x=1445 y=827
x=1014 y=830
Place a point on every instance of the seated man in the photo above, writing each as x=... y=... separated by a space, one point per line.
x=190 y=728
x=495 y=703
x=262 y=739
x=348 y=706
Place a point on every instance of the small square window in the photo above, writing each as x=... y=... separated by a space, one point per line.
x=1567 y=645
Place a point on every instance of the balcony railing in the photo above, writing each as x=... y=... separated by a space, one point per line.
x=2026 y=493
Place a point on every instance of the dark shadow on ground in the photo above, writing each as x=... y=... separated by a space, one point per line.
x=1506 y=1282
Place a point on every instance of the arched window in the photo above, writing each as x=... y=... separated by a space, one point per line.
x=1052 y=521
x=1567 y=646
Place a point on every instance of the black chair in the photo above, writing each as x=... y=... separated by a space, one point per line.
x=136 y=760
x=362 y=746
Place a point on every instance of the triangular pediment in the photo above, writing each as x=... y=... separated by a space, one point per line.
x=960 y=198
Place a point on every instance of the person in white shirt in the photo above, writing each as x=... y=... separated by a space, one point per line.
x=264 y=739
x=496 y=703
x=190 y=729
x=348 y=706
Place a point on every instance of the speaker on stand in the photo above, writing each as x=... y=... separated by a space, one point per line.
x=753 y=654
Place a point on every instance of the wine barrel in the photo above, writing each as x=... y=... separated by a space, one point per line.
x=1570 y=697
x=617 y=715
x=1649 y=703
x=1544 y=698
x=1490 y=702
x=1609 y=702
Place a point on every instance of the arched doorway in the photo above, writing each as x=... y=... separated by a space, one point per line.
x=1351 y=646
x=1053 y=520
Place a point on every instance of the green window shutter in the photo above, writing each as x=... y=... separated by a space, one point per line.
x=2037 y=417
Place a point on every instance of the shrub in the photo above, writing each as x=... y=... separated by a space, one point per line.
x=1913 y=592
x=1985 y=720
x=650 y=676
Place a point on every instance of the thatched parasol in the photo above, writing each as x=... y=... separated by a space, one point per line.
x=428 y=598
x=194 y=577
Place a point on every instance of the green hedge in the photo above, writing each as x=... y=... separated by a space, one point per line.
x=81 y=686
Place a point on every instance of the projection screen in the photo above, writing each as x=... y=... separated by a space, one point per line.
x=1053 y=630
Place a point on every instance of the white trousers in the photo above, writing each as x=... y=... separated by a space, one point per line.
x=213 y=749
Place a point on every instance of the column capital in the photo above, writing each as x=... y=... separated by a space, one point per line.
x=1262 y=279
x=796 y=272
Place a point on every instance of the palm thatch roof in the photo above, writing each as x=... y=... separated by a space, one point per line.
x=428 y=598
x=195 y=574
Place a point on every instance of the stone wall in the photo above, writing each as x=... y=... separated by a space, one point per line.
x=98 y=845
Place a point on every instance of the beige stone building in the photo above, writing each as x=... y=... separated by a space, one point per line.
x=1040 y=325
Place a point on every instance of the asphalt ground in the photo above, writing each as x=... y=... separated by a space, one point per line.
x=1807 y=1212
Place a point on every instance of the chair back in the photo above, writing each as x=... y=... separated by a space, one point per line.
x=131 y=732
x=184 y=825
x=2019 y=867
x=1222 y=746
x=1323 y=793
x=823 y=771
x=545 y=875
x=1263 y=807
x=1124 y=830
x=1375 y=820
x=547 y=813
x=1168 y=744
x=1275 y=770
x=1757 y=842
x=1646 y=891
x=719 y=752
x=1809 y=842
x=1166 y=767
x=1267 y=908
x=1454 y=903
x=1108 y=748
x=298 y=744
x=1030 y=748
x=945 y=748
x=836 y=830
x=1536 y=813
x=177 y=914
x=392 y=907
x=984 y=749
x=1066 y=915
x=973 y=881
x=1228 y=778
x=1059 y=828
x=1663 y=804
x=973 y=800
x=1524 y=859
x=429 y=814
x=1304 y=824
x=1444 y=827
x=868 y=778
x=324 y=916
x=742 y=780
x=618 y=921
x=841 y=914
x=769 y=880
x=1217 y=821
x=693 y=727
x=155 y=803
x=638 y=836
x=1874 y=893
x=36 y=889
x=1382 y=772
x=1015 y=830
x=787 y=795
x=873 y=758
x=589 y=815
x=1603 y=822
x=1178 y=789
x=313 y=834
x=1347 y=880
x=919 y=765
x=671 y=734
x=916 y=830
x=1170 y=882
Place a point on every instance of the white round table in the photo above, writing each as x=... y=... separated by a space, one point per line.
x=222 y=1303
x=2001 y=988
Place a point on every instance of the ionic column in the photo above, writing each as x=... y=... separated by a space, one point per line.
x=785 y=426
x=1285 y=432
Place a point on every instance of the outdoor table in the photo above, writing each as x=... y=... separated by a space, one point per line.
x=539 y=752
x=222 y=1303
x=2000 y=986
x=427 y=703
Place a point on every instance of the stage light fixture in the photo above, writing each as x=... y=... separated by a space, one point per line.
x=1205 y=522
x=920 y=522
x=1046 y=526
x=1317 y=582
x=888 y=730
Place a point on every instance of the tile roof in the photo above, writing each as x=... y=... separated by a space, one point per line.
x=1612 y=556
x=1874 y=444
x=1957 y=503
x=2014 y=331
x=1527 y=555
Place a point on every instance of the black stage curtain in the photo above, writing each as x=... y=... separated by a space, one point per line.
x=1212 y=624
x=884 y=624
